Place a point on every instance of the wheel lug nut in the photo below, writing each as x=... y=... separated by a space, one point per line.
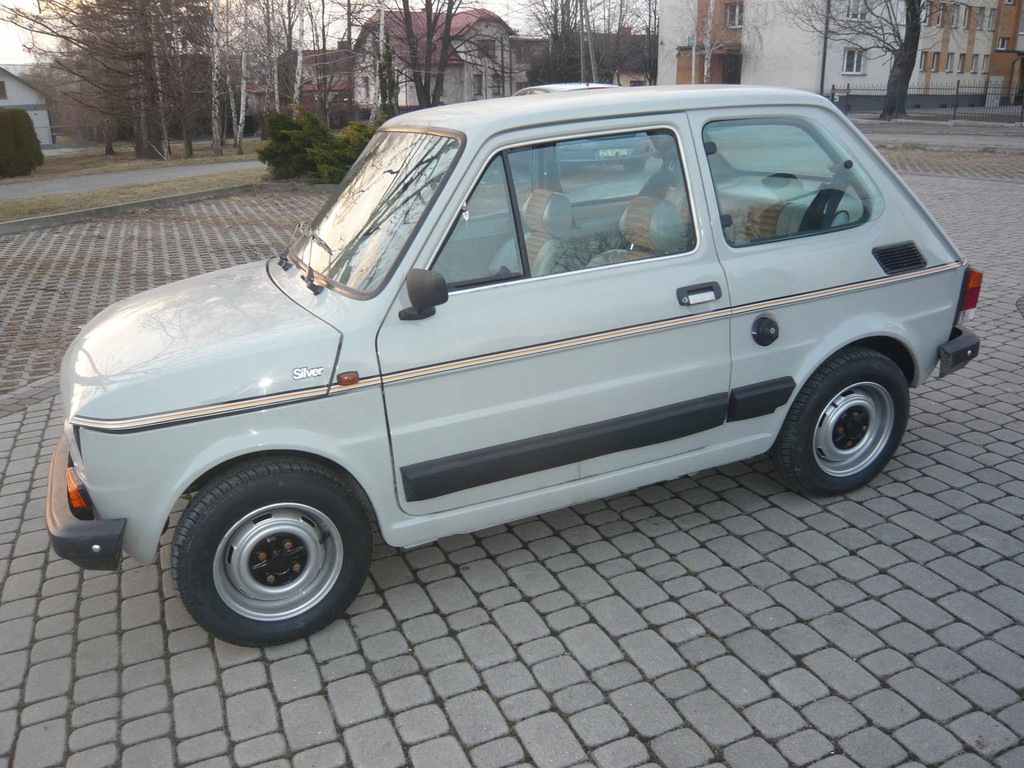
x=296 y=567
x=271 y=578
x=261 y=556
x=288 y=544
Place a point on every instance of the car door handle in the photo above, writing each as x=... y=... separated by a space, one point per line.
x=698 y=294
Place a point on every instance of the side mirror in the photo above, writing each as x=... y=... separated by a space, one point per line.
x=426 y=290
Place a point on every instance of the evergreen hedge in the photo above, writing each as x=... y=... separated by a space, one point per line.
x=302 y=147
x=20 y=153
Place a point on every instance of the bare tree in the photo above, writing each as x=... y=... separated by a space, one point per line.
x=890 y=27
x=426 y=41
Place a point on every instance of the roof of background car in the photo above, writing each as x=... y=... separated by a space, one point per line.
x=561 y=87
x=490 y=116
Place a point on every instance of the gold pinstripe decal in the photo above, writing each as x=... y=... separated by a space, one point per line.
x=188 y=414
x=676 y=322
x=224 y=409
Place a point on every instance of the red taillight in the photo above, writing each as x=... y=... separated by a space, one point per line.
x=971 y=293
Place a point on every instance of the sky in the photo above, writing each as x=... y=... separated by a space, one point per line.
x=10 y=45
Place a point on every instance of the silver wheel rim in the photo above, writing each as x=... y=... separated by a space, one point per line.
x=853 y=429
x=278 y=562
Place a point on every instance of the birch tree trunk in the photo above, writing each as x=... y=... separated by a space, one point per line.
x=242 y=99
x=297 y=93
x=709 y=40
x=218 y=149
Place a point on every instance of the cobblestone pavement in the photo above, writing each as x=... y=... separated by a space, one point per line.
x=716 y=618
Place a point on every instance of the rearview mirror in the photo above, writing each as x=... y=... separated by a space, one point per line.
x=426 y=290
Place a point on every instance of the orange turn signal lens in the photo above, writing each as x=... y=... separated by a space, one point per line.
x=348 y=378
x=973 y=292
x=77 y=497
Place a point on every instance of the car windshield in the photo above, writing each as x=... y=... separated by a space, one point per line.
x=362 y=230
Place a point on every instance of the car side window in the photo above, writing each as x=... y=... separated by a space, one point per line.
x=776 y=179
x=578 y=204
x=483 y=246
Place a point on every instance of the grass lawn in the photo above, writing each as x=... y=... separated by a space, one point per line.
x=94 y=161
x=12 y=210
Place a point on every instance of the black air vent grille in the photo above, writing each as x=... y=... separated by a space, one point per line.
x=899 y=257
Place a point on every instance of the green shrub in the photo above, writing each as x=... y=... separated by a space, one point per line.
x=302 y=147
x=20 y=153
x=335 y=158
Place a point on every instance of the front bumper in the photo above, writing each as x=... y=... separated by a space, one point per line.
x=962 y=347
x=93 y=544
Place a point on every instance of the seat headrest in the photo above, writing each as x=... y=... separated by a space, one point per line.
x=654 y=225
x=548 y=212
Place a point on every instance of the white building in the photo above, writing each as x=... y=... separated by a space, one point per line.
x=956 y=45
x=15 y=93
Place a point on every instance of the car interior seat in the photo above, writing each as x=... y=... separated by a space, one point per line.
x=650 y=227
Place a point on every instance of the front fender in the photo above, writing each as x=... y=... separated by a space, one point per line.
x=143 y=474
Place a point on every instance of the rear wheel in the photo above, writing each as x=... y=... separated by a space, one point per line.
x=271 y=551
x=845 y=424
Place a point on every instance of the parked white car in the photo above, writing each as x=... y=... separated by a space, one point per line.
x=466 y=336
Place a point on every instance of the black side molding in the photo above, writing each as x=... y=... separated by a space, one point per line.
x=759 y=399
x=439 y=477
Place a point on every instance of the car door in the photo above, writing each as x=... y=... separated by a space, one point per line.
x=585 y=334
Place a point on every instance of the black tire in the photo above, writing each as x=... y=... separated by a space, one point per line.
x=271 y=551
x=844 y=425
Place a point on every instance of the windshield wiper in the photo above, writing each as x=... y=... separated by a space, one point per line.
x=308 y=231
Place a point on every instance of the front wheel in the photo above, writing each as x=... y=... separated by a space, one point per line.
x=844 y=425
x=271 y=551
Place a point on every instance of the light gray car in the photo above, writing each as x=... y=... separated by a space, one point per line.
x=466 y=335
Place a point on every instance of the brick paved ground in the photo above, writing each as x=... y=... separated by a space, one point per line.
x=713 y=618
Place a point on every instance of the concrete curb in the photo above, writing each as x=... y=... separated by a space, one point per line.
x=23 y=225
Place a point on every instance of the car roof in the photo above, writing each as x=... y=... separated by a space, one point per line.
x=487 y=117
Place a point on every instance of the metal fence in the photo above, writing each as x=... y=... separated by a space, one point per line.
x=962 y=101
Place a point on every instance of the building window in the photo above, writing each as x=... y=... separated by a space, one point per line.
x=949 y=62
x=926 y=12
x=734 y=15
x=922 y=61
x=984 y=64
x=1004 y=43
x=856 y=9
x=935 y=61
x=981 y=19
x=939 y=11
x=3 y=90
x=967 y=16
x=961 y=61
x=853 y=62
x=991 y=19
x=974 y=64
x=954 y=17
x=478 y=85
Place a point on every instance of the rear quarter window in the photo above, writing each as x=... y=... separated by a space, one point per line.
x=781 y=178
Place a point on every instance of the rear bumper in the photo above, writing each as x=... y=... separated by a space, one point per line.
x=92 y=544
x=962 y=347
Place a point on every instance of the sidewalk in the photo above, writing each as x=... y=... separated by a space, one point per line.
x=976 y=137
